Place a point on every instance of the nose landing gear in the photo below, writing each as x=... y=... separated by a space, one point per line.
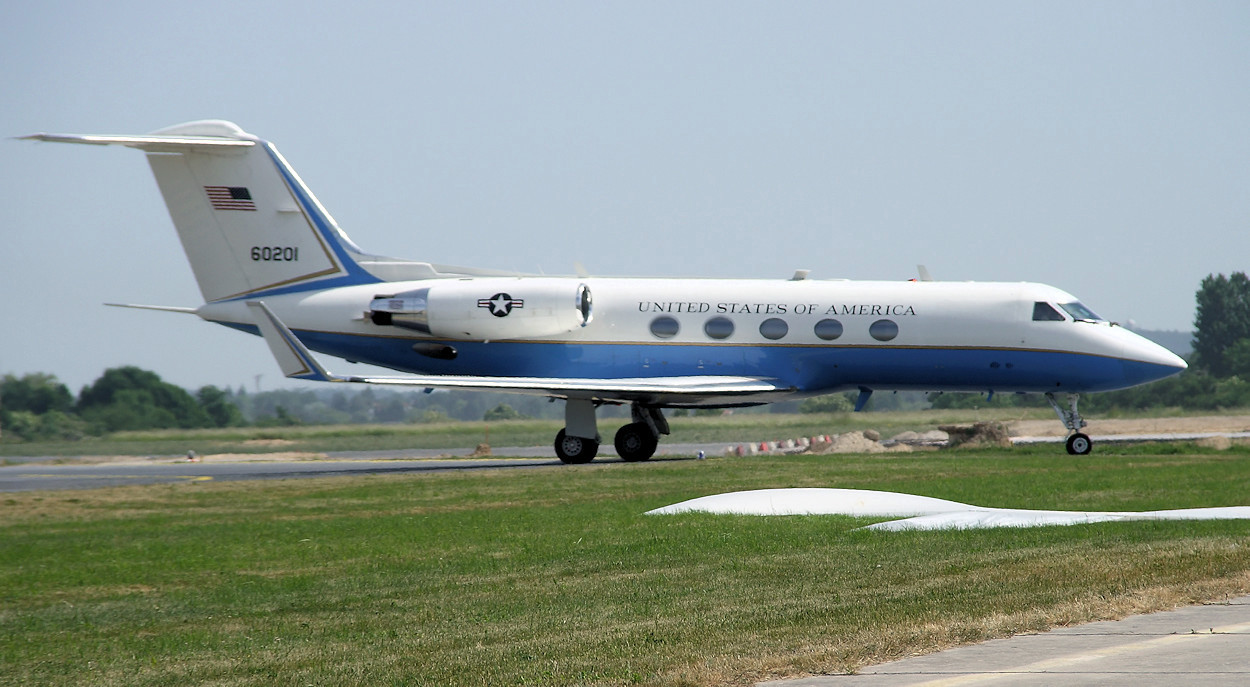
x=1078 y=444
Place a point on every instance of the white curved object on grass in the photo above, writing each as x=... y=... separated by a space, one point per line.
x=918 y=512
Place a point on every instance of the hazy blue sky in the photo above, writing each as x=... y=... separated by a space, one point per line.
x=1100 y=147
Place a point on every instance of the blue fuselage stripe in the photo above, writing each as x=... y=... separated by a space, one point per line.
x=809 y=369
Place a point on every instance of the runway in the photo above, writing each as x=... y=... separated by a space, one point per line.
x=49 y=473
x=43 y=476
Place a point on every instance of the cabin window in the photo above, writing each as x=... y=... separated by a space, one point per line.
x=1080 y=312
x=828 y=329
x=1045 y=312
x=719 y=328
x=774 y=328
x=883 y=330
x=665 y=327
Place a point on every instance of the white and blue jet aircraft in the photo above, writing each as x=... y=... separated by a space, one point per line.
x=271 y=261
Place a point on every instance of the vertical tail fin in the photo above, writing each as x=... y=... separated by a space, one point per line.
x=248 y=224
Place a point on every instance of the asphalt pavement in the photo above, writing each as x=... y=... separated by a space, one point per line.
x=1195 y=645
x=50 y=473
x=35 y=473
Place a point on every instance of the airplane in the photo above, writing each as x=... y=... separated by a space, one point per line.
x=270 y=260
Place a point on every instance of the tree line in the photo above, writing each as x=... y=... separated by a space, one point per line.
x=38 y=407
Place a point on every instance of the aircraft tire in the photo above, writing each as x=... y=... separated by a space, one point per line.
x=575 y=450
x=1079 y=444
x=635 y=442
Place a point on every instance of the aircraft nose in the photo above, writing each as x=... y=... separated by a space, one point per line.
x=1148 y=361
x=1158 y=355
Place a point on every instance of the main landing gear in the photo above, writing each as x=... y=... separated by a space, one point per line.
x=1078 y=444
x=579 y=441
x=573 y=450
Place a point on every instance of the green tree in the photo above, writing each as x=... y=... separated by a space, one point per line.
x=970 y=400
x=1237 y=359
x=830 y=403
x=22 y=424
x=217 y=404
x=390 y=410
x=129 y=409
x=503 y=411
x=38 y=407
x=36 y=393
x=1221 y=322
x=126 y=398
x=57 y=426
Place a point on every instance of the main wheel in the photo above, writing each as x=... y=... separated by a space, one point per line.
x=1079 y=445
x=575 y=450
x=635 y=442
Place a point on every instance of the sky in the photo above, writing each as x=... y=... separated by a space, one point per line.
x=1099 y=147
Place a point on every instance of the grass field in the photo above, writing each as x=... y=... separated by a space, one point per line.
x=554 y=576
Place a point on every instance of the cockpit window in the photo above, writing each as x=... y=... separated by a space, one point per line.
x=1045 y=312
x=1080 y=313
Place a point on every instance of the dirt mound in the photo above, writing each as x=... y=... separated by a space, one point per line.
x=978 y=434
x=933 y=437
x=855 y=442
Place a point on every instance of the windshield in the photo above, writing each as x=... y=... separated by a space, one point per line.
x=1079 y=312
x=1043 y=312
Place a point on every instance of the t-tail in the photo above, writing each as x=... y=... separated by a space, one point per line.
x=249 y=225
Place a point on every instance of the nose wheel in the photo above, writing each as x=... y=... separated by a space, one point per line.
x=1078 y=443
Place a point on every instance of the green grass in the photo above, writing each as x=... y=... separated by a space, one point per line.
x=555 y=576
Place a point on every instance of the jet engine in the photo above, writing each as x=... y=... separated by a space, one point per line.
x=484 y=309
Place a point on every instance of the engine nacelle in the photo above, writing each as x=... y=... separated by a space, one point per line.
x=484 y=309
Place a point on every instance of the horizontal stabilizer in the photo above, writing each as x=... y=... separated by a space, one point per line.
x=151 y=143
x=162 y=308
x=297 y=362
x=293 y=357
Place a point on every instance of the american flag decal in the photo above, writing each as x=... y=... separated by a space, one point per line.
x=230 y=198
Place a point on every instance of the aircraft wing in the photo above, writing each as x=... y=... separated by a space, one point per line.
x=297 y=362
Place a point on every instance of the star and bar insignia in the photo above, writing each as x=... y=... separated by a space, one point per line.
x=500 y=304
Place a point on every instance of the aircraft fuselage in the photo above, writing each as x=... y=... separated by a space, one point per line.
x=813 y=336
